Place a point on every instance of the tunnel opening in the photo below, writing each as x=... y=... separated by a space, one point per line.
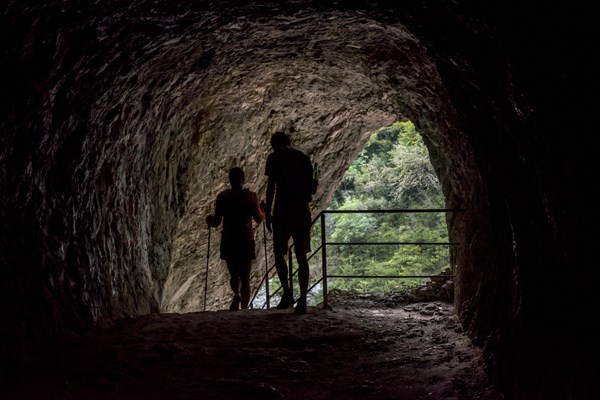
x=391 y=252
x=393 y=172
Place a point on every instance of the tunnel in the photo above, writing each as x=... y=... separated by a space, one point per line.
x=121 y=119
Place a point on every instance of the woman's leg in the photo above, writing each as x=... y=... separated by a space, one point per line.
x=245 y=282
x=234 y=281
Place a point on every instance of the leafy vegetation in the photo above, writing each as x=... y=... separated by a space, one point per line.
x=393 y=172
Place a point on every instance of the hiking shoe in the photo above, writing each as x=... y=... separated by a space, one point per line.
x=235 y=303
x=301 y=306
x=286 y=302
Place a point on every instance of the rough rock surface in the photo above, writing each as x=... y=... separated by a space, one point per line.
x=119 y=120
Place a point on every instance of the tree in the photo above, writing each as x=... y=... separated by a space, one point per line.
x=397 y=156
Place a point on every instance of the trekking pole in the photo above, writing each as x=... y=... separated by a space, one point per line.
x=266 y=265
x=206 y=277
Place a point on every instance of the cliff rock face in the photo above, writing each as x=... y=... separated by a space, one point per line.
x=119 y=122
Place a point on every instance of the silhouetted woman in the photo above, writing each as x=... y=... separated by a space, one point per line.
x=237 y=207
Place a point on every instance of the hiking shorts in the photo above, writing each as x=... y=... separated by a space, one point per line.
x=237 y=250
x=295 y=225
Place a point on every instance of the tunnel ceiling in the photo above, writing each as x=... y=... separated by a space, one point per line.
x=121 y=119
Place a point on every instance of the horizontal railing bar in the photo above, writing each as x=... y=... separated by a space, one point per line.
x=389 y=276
x=395 y=243
x=418 y=210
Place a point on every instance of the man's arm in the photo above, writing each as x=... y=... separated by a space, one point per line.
x=308 y=177
x=268 y=206
x=270 y=195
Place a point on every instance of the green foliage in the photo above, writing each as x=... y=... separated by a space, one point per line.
x=392 y=172
x=398 y=158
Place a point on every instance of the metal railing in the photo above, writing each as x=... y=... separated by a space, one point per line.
x=322 y=249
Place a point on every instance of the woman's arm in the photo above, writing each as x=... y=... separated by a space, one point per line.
x=257 y=211
x=215 y=220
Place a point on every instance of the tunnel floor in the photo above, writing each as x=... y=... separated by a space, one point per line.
x=360 y=348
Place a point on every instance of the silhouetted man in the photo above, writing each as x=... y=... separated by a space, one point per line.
x=290 y=184
x=237 y=207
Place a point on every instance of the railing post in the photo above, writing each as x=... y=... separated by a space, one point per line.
x=324 y=258
x=291 y=272
x=267 y=295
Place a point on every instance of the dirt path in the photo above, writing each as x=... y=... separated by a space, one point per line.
x=360 y=349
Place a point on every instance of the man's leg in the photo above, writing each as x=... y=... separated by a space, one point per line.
x=303 y=275
x=280 y=245
x=287 y=299
x=301 y=238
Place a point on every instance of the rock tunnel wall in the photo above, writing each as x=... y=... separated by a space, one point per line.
x=94 y=162
x=121 y=119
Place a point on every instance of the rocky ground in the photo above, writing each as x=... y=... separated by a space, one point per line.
x=363 y=347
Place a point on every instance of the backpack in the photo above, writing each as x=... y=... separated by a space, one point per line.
x=315 y=178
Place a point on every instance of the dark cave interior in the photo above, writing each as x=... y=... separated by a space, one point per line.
x=119 y=118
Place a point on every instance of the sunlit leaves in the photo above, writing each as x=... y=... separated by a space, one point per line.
x=392 y=172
